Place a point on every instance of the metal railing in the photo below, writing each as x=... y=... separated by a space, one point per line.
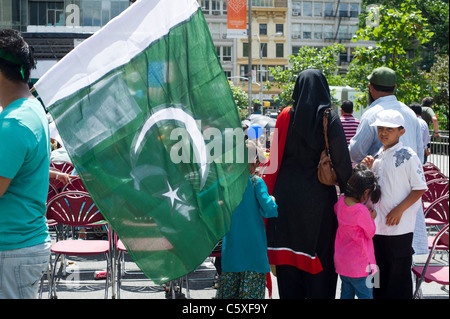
x=439 y=151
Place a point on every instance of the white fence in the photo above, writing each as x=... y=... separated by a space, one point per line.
x=439 y=152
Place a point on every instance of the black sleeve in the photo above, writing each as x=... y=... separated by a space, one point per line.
x=339 y=153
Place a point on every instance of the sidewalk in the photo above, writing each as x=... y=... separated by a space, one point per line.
x=136 y=286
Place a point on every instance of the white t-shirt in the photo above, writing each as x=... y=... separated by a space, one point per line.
x=399 y=171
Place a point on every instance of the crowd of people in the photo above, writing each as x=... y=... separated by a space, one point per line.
x=375 y=226
x=288 y=222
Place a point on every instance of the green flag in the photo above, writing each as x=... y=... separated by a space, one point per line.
x=148 y=118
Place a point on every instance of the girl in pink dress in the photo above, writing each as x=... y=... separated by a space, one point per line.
x=354 y=253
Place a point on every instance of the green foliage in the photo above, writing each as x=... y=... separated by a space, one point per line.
x=241 y=99
x=437 y=14
x=439 y=78
x=307 y=58
x=399 y=35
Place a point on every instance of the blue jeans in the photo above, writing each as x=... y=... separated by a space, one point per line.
x=21 y=271
x=356 y=286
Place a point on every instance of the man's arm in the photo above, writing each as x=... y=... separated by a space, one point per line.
x=361 y=142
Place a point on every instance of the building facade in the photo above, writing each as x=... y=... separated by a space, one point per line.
x=279 y=29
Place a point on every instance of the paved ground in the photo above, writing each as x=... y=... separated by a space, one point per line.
x=137 y=286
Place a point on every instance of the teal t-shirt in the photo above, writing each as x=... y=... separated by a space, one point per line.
x=25 y=159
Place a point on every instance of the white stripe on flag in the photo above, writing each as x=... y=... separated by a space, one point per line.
x=114 y=45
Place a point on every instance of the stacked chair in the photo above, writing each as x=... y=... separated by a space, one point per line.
x=77 y=209
x=69 y=209
x=435 y=205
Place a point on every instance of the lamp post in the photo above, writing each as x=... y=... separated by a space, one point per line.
x=260 y=75
x=260 y=69
x=249 y=34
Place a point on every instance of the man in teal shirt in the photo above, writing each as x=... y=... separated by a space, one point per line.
x=24 y=174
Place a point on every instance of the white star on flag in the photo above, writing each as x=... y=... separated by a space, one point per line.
x=172 y=194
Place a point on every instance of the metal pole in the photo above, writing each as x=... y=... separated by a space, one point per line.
x=249 y=34
x=260 y=77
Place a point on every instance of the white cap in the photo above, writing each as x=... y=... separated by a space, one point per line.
x=389 y=118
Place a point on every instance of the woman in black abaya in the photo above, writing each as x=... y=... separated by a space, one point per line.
x=301 y=239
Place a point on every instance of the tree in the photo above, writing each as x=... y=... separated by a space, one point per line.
x=307 y=58
x=439 y=78
x=241 y=99
x=437 y=14
x=399 y=35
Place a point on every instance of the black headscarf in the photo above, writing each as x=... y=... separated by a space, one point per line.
x=311 y=97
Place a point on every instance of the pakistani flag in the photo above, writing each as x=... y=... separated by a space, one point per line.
x=148 y=118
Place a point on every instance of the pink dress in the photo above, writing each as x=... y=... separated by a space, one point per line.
x=354 y=250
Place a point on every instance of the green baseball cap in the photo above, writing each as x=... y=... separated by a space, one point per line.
x=383 y=76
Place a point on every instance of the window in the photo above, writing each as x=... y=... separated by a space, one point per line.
x=343 y=32
x=92 y=13
x=296 y=5
x=55 y=13
x=328 y=12
x=117 y=7
x=280 y=50
x=307 y=9
x=263 y=29
x=214 y=28
x=317 y=9
x=46 y=13
x=244 y=72
x=226 y=53
x=205 y=6
x=306 y=31
x=352 y=30
x=328 y=31
x=245 y=49
x=317 y=31
x=279 y=28
x=354 y=10
x=343 y=10
x=295 y=50
x=262 y=3
x=296 y=30
x=215 y=7
x=343 y=57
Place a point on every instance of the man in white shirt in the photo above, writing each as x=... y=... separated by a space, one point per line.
x=382 y=85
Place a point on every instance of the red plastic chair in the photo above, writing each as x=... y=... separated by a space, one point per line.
x=76 y=184
x=432 y=273
x=428 y=166
x=436 y=188
x=437 y=213
x=74 y=208
x=430 y=175
x=63 y=166
x=52 y=191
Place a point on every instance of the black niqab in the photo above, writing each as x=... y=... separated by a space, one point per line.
x=311 y=97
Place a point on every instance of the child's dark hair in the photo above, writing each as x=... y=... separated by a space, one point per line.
x=361 y=180
x=16 y=56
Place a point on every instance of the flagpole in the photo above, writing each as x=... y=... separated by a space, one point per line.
x=250 y=77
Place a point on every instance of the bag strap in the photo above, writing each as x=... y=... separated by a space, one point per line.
x=325 y=129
